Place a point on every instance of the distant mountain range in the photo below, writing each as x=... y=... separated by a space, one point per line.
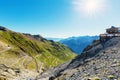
x=77 y=44
x=54 y=39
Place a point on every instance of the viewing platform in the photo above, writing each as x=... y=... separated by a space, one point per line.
x=110 y=33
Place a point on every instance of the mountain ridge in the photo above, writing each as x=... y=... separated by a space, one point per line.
x=77 y=44
x=27 y=55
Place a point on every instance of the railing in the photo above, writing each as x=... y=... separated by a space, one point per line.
x=104 y=37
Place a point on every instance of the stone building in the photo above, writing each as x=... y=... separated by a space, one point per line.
x=110 y=33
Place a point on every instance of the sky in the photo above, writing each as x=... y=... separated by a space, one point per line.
x=60 y=18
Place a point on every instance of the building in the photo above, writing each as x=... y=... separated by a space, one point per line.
x=110 y=33
x=113 y=30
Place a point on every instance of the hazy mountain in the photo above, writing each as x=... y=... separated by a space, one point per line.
x=23 y=56
x=98 y=61
x=77 y=44
x=55 y=39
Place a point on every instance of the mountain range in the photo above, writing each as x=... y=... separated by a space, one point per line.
x=77 y=44
x=23 y=56
x=54 y=39
x=31 y=57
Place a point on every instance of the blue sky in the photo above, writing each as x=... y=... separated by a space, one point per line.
x=56 y=18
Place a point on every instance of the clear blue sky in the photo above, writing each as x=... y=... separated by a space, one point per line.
x=56 y=18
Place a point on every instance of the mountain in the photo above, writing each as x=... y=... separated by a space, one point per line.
x=98 y=61
x=77 y=44
x=54 y=39
x=23 y=56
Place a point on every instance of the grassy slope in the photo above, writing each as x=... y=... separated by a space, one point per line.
x=27 y=53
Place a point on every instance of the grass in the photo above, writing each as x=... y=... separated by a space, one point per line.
x=42 y=52
x=95 y=78
x=111 y=77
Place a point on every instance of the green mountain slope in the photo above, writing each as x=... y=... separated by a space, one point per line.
x=26 y=55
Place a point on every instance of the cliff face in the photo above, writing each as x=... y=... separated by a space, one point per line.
x=23 y=56
x=99 y=61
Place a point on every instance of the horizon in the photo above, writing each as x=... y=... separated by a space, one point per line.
x=60 y=18
x=70 y=36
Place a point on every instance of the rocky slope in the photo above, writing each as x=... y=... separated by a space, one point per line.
x=23 y=56
x=98 y=61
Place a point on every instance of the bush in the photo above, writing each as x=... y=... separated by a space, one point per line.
x=111 y=77
x=95 y=78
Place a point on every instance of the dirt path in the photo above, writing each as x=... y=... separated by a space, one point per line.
x=4 y=47
x=8 y=48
